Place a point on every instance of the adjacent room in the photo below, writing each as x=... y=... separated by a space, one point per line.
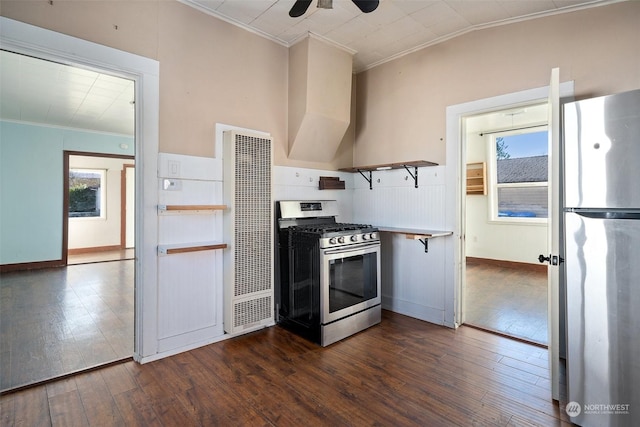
x=506 y=221
x=68 y=219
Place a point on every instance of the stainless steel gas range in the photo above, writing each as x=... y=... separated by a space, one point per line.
x=329 y=272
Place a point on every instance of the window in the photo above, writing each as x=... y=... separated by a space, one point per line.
x=519 y=162
x=86 y=193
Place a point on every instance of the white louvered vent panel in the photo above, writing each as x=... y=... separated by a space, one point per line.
x=249 y=225
x=251 y=311
x=253 y=215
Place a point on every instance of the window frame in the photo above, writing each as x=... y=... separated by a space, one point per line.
x=102 y=194
x=492 y=166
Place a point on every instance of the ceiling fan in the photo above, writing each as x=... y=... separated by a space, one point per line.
x=301 y=6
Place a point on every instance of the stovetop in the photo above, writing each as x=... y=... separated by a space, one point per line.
x=339 y=234
x=337 y=228
x=312 y=220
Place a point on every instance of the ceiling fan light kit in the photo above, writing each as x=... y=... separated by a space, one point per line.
x=300 y=6
x=325 y=4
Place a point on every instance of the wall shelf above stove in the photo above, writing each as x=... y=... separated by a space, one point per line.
x=387 y=166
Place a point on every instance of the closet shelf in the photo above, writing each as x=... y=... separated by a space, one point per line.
x=477 y=178
x=180 y=248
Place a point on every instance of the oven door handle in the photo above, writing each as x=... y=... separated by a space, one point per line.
x=354 y=248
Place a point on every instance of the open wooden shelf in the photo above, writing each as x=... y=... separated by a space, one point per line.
x=477 y=178
x=386 y=166
x=422 y=235
x=181 y=248
x=175 y=208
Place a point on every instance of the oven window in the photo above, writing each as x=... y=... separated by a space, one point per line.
x=352 y=280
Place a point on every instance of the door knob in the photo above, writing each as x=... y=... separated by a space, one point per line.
x=544 y=259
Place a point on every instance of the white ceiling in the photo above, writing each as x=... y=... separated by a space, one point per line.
x=395 y=28
x=37 y=91
x=44 y=92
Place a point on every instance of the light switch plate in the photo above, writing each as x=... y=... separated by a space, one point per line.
x=173 y=168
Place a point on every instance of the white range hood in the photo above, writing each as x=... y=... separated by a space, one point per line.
x=320 y=76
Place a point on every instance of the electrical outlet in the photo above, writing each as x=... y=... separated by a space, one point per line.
x=171 y=185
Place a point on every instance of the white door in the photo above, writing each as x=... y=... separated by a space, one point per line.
x=553 y=269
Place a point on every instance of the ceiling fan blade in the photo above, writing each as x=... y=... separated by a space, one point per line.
x=366 y=5
x=299 y=8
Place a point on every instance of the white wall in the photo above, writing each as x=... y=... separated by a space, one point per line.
x=97 y=232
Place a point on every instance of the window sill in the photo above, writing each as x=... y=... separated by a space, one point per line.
x=538 y=222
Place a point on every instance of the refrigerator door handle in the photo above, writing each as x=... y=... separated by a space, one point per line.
x=606 y=214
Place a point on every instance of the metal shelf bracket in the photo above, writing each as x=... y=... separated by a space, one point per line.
x=369 y=180
x=413 y=175
x=425 y=242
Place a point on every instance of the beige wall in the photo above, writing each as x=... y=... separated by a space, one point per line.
x=210 y=71
x=401 y=105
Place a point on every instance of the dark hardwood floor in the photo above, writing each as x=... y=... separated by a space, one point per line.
x=403 y=372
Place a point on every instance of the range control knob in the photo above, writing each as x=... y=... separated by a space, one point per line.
x=354 y=238
x=372 y=236
x=341 y=239
x=365 y=237
x=332 y=240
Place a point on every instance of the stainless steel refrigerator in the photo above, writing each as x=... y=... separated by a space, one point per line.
x=602 y=259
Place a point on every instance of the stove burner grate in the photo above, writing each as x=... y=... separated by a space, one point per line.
x=330 y=228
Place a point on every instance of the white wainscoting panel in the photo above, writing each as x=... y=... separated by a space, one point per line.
x=189 y=167
x=413 y=282
x=189 y=299
x=190 y=284
x=190 y=227
x=192 y=192
x=291 y=183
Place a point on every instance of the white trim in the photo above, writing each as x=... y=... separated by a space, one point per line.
x=235 y=22
x=98 y=132
x=221 y=128
x=325 y=40
x=454 y=198
x=30 y=40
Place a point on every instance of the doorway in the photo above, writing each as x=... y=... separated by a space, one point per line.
x=59 y=319
x=506 y=221
x=99 y=207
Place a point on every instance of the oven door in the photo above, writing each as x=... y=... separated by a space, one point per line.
x=349 y=280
